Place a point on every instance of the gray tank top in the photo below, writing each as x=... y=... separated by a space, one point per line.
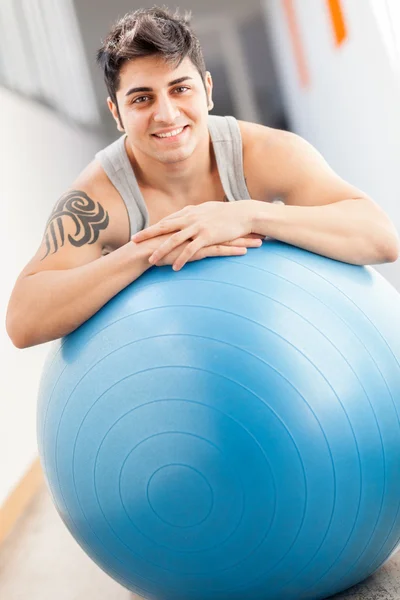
x=227 y=144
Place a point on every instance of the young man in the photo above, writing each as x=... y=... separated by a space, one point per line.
x=180 y=185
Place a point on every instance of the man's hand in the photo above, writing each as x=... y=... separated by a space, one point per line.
x=196 y=228
x=236 y=247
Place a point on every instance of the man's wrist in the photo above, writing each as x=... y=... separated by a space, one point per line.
x=263 y=215
x=141 y=252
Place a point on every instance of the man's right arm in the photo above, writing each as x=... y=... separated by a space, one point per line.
x=69 y=280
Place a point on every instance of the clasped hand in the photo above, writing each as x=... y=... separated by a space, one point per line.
x=195 y=232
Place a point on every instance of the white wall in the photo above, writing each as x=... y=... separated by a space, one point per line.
x=350 y=111
x=39 y=157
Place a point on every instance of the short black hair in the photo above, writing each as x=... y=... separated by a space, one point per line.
x=148 y=32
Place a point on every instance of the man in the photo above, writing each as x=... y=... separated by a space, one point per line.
x=180 y=185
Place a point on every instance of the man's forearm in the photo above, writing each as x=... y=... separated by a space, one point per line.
x=353 y=231
x=49 y=304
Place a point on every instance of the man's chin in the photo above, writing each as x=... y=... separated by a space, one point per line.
x=171 y=158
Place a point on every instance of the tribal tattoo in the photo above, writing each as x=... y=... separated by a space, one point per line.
x=88 y=216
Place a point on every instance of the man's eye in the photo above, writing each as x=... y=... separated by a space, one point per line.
x=142 y=99
x=139 y=100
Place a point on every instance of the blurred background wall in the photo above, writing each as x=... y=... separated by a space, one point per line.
x=325 y=69
x=339 y=68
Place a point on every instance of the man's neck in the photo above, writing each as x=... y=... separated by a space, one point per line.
x=180 y=179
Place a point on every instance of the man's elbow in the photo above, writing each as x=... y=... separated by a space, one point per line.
x=389 y=250
x=20 y=344
x=16 y=336
x=18 y=341
x=392 y=254
x=16 y=330
x=380 y=234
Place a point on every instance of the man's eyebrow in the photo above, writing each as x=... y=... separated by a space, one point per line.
x=148 y=89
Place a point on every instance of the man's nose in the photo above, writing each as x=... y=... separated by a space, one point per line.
x=166 y=111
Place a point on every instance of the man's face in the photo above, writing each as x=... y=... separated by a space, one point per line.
x=154 y=99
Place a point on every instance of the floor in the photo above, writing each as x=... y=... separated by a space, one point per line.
x=41 y=561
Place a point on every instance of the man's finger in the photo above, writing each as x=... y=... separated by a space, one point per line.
x=155 y=230
x=222 y=250
x=254 y=236
x=179 y=213
x=173 y=242
x=245 y=242
x=191 y=249
x=227 y=251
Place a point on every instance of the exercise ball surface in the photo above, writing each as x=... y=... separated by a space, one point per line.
x=231 y=430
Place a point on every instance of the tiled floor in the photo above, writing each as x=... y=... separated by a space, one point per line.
x=41 y=561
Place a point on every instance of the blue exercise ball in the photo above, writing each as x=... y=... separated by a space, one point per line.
x=231 y=430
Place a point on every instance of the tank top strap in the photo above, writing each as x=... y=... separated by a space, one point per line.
x=118 y=169
x=228 y=148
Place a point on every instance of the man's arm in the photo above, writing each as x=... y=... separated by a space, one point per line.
x=68 y=279
x=320 y=212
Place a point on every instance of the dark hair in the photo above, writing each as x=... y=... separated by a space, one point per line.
x=148 y=32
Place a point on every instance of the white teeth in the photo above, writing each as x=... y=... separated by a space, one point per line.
x=170 y=134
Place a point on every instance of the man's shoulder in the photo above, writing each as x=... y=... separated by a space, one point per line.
x=93 y=180
x=264 y=152
x=255 y=133
x=95 y=184
x=93 y=176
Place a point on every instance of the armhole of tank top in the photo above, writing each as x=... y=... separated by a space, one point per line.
x=111 y=174
x=137 y=206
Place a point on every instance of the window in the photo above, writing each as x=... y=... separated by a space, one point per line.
x=387 y=13
x=43 y=57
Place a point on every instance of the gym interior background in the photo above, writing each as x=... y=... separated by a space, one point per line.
x=328 y=70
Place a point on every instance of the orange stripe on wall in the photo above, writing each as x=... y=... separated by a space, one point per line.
x=298 y=48
x=338 y=21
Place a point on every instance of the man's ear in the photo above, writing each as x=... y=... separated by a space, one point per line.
x=114 y=112
x=209 y=89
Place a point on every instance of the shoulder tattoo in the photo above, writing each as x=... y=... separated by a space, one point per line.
x=88 y=216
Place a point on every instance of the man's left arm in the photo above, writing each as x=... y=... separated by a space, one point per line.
x=320 y=212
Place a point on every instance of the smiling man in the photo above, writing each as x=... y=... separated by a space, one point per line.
x=180 y=185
